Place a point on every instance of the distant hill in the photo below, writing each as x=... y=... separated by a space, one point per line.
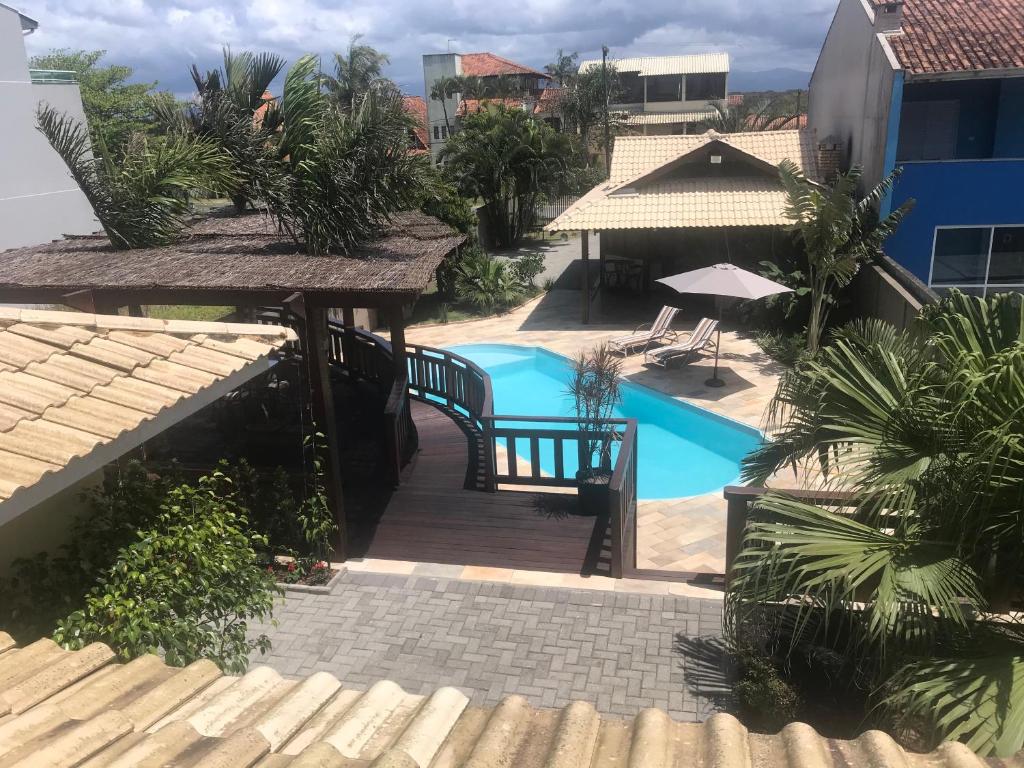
x=768 y=80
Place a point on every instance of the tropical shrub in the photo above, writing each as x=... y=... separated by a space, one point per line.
x=346 y=170
x=594 y=386
x=765 y=699
x=838 y=231
x=527 y=267
x=226 y=113
x=486 y=283
x=786 y=348
x=509 y=160
x=185 y=588
x=141 y=198
x=926 y=430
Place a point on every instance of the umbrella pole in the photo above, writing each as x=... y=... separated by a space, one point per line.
x=714 y=381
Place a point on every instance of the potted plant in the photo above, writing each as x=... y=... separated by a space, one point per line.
x=594 y=387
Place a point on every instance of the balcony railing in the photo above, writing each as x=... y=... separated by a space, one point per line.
x=53 y=76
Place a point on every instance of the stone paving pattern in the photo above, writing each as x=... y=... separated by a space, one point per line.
x=678 y=534
x=491 y=640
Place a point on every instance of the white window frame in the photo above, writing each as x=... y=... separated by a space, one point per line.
x=985 y=286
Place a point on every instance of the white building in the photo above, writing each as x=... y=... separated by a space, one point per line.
x=667 y=94
x=39 y=201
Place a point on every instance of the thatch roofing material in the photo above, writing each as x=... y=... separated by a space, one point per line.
x=236 y=253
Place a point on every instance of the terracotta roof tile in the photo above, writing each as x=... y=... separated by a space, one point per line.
x=416 y=108
x=75 y=381
x=959 y=36
x=83 y=708
x=492 y=65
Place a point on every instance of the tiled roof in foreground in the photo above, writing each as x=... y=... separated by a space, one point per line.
x=61 y=708
x=76 y=387
x=752 y=201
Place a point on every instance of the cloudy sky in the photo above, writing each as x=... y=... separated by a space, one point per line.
x=161 y=39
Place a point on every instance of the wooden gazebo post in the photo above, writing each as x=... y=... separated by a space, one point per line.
x=585 y=278
x=315 y=352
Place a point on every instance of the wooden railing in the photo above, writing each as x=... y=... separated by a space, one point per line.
x=741 y=498
x=460 y=384
x=622 y=498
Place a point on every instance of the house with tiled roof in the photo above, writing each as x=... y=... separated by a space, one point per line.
x=668 y=94
x=521 y=86
x=675 y=203
x=416 y=108
x=936 y=89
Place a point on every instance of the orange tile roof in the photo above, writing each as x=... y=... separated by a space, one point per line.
x=548 y=101
x=416 y=107
x=959 y=36
x=490 y=65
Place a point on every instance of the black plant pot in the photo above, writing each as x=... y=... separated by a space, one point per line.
x=593 y=491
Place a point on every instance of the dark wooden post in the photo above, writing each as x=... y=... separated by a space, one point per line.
x=348 y=317
x=735 y=523
x=585 y=277
x=315 y=352
x=396 y=322
x=135 y=310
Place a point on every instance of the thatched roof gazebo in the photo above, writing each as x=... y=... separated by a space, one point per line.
x=246 y=261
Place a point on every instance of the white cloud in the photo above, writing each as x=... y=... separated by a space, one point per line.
x=162 y=39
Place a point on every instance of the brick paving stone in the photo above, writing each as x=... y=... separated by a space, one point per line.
x=619 y=651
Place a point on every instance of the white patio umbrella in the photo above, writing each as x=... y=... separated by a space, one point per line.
x=723 y=280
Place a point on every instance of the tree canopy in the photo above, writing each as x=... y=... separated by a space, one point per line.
x=115 y=108
x=509 y=160
x=355 y=72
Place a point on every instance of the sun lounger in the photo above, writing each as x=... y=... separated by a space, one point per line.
x=699 y=338
x=659 y=331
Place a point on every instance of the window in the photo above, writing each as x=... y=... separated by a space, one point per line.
x=978 y=260
x=665 y=88
x=632 y=88
x=928 y=130
x=437 y=133
x=708 y=87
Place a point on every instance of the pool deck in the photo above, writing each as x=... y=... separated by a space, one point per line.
x=676 y=534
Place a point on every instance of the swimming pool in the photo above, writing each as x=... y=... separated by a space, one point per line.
x=683 y=450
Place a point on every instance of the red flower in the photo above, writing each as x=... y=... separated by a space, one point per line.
x=291 y=567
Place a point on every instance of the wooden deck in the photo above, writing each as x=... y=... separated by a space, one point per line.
x=438 y=516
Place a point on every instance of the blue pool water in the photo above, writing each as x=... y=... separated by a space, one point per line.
x=683 y=450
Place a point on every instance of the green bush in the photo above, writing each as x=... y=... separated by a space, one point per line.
x=486 y=283
x=787 y=348
x=184 y=589
x=526 y=268
x=766 y=701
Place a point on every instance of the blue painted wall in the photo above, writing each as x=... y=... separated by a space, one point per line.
x=949 y=194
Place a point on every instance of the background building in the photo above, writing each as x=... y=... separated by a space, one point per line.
x=668 y=94
x=935 y=87
x=39 y=201
x=522 y=85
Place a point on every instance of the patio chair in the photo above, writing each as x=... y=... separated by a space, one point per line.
x=659 y=331
x=699 y=338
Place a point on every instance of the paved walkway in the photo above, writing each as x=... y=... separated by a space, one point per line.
x=622 y=652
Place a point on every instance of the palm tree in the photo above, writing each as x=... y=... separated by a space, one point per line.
x=443 y=89
x=563 y=67
x=746 y=118
x=141 y=198
x=355 y=72
x=508 y=159
x=226 y=111
x=346 y=171
x=583 y=104
x=838 y=231
x=926 y=430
